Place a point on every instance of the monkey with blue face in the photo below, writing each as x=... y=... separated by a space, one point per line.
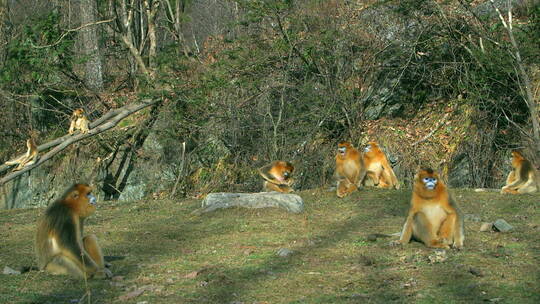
x=433 y=218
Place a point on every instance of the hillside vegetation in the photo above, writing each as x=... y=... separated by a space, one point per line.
x=247 y=82
x=230 y=256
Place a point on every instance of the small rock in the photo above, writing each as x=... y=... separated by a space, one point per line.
x=9 y=270
x=485 y=227
x=284 y=252
x=117 y=284
x=372 y=237
x=203 y=283
x=502 y=226
x=495 y=300
x=475 y=272
x=142 y=302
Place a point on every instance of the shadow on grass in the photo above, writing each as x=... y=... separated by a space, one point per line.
x=152 y=235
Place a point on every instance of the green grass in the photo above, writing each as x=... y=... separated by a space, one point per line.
x=234 y=254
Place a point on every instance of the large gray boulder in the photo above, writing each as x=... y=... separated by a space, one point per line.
x=290 y=202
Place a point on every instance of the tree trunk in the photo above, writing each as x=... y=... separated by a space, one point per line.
x=90 y=46
x=4 y=32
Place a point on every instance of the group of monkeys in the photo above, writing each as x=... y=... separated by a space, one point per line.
x=433 y=218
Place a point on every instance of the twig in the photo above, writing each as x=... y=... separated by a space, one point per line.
x=181 y=171
x=69 y=31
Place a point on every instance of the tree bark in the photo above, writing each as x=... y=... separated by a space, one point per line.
x=4 y=32
x=93 y=77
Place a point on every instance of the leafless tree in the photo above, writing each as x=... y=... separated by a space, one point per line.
x=136 y=25
x=525 y=82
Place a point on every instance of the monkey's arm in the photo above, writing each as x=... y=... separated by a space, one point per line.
x=406 y=233
x=516 y=182
x=361 y=175
x=271 y=179
x=72 y=125
x=511 y=177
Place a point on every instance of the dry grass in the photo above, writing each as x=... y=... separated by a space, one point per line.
x=229 y=256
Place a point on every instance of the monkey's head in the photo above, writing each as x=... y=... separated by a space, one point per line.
x=80 y=200
x=371 y=148
x=343 y=147
x=285 y=168
x=78 y=112
x=517 y=157
x=427 y=180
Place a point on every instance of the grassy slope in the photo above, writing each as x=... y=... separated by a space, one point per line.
x=234 y=252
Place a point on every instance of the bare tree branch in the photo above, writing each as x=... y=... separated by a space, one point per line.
x=66 y=141
x=59 y=140
x=522 y=74
x=69 y=31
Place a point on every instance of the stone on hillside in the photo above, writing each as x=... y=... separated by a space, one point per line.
x=9 y=270
x=290 y=202
x=485 y=227
x=284 y=252
x=502 y=226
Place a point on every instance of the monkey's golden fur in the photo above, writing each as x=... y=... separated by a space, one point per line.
x=433 y=217
x=523 y=178
x=379 y=172
x=60 y=245
x=277 y=176
x=29 y=158
x=350 y=170
x=78 y=122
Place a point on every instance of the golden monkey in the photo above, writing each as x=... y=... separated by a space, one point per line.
x=433 y=217
x=350 y=170
x=60 y=245
x=78 y=122
x=277 y=176
x=379 y=172
x=523 y=178
x=29 y=158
